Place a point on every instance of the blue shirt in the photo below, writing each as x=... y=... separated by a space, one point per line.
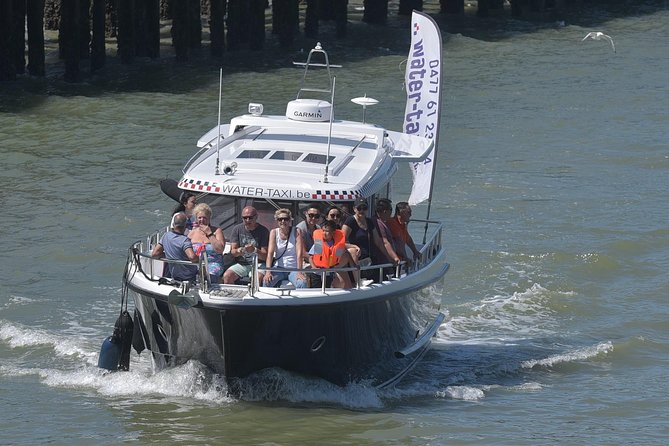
x=175 y=245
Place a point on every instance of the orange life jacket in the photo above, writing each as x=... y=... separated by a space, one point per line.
x=326 y=256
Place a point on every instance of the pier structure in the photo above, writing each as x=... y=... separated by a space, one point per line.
x=88 y=29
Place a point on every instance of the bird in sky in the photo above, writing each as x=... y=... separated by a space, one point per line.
x=597 y=35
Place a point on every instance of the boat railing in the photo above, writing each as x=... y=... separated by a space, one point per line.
x=432 y=245
x=153 y=268
x=427 y=252
x=324 y=272
x=214 y=145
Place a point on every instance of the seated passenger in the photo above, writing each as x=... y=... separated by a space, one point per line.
x=284 y=251
x=312 y=216
x=330 y=251
x=174 y=245
x=361 y=231
x=186 y=205
x=246 y=239
x=206 y=237
x=401 y=237
x=383 y=212
x=335 y=214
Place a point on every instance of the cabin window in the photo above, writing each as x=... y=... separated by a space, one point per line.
x=288 y=156
x=253 y=154
x=222 y=209
x=316 y=158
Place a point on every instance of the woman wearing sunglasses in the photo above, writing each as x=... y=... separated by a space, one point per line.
x=312 y=218
x=209 y=238
x=285 y=251
x=335 y=215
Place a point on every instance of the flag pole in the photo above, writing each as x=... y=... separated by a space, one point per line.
x=423 y=77
x=435 y=149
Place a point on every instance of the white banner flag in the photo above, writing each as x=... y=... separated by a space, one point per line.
x=423 y=85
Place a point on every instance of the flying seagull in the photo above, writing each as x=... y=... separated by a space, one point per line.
x=596 y=35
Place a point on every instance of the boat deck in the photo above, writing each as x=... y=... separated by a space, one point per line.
x=146 y=273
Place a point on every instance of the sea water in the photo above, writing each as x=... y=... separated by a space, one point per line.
x=552 y=184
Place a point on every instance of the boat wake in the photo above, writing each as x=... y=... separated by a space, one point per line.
x=511 y=343
x=19 y=337
x=280 y=385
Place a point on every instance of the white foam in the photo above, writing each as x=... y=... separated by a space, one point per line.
x=17 y=337
x=10 y=370
x=191 y=381
x=194 y=381
x=576 y=355
x=465 y=393
x=18 y=300
x=503 y=319
x=529 y=387
x=280 y=385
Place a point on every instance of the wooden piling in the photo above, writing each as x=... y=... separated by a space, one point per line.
x=217 y=27
x=35 y=27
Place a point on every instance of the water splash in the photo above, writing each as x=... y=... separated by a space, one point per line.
x=581 y=354
x=503 y=318
x=17 y=336
x=15 y=300
x=465 y=393
x=280 y=385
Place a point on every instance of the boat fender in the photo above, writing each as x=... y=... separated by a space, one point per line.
x=125 y=327
x=110 y=353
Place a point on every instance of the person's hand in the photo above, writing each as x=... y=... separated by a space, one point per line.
x=267 y=279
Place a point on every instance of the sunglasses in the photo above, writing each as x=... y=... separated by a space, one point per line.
x=314 y=215
x=251 y=217
x=335 y=215
x=283 y=219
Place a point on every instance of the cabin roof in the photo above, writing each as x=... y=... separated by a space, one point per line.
x=276 y=157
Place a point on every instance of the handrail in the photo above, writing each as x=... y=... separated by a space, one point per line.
x=202 y=265
x=427 y=253
x=323 y=271
x=209 y=148
x=431 y=246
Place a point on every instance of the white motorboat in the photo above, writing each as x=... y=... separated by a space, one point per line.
x=372 y=331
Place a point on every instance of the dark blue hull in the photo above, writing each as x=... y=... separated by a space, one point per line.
x=339 y=342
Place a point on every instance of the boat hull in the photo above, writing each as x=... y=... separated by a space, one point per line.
x=340 y=342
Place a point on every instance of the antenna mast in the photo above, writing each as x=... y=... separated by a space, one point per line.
x=218 y=140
